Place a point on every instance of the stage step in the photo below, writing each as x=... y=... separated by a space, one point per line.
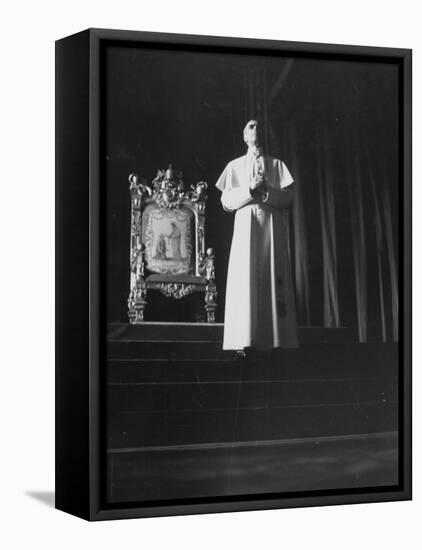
x=211 y=332
x=312 y=358
x=167 y=350
x=132 y=398
x=194 y=426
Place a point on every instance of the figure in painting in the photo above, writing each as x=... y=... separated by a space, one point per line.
x=175 y=238
x=260 y=308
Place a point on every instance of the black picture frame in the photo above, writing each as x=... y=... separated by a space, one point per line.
x=80 y=332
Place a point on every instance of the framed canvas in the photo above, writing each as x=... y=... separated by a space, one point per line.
x=233 y=282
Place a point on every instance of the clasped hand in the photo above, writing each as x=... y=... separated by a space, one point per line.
x=257 y=181
x=257 y=188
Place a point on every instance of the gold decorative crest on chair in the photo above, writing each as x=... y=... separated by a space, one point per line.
x=167 y=242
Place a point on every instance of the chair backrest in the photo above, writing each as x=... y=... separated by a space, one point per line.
x=167 y=222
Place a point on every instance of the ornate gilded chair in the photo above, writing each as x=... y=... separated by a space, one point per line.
x=167 y=243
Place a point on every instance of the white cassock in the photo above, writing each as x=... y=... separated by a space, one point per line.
x=260 y=306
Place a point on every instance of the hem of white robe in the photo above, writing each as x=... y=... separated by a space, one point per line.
x=290 y=343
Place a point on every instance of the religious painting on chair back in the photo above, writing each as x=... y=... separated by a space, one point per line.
x=253 y=292
x=168 y=240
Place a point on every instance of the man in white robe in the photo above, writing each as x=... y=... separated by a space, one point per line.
x=260 y=308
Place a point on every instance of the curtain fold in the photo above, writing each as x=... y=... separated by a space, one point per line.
x=301 y=259
x=391 y=262
x=377 y=222
x=328 y=233
x=358 y=241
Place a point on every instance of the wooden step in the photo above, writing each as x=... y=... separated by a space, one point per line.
x=162 y=331
x=229 y=395
x=167 y=350
x=196 y=371
x=155 y=331
x=349 y=353
x=175 y=427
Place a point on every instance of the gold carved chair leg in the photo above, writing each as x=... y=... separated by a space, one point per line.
x=207 y=268
x=138 y=295
x=210 y=301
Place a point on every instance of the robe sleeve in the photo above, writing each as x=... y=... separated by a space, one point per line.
x=281 y=194
x=233 y=196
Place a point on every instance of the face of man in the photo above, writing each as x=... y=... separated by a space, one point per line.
x=252 y=134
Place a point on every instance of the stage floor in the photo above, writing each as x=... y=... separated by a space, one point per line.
x=348 y=462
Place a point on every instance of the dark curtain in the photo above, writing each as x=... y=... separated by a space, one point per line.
x=335 y=125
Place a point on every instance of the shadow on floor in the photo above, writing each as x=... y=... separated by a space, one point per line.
x=45 y=497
